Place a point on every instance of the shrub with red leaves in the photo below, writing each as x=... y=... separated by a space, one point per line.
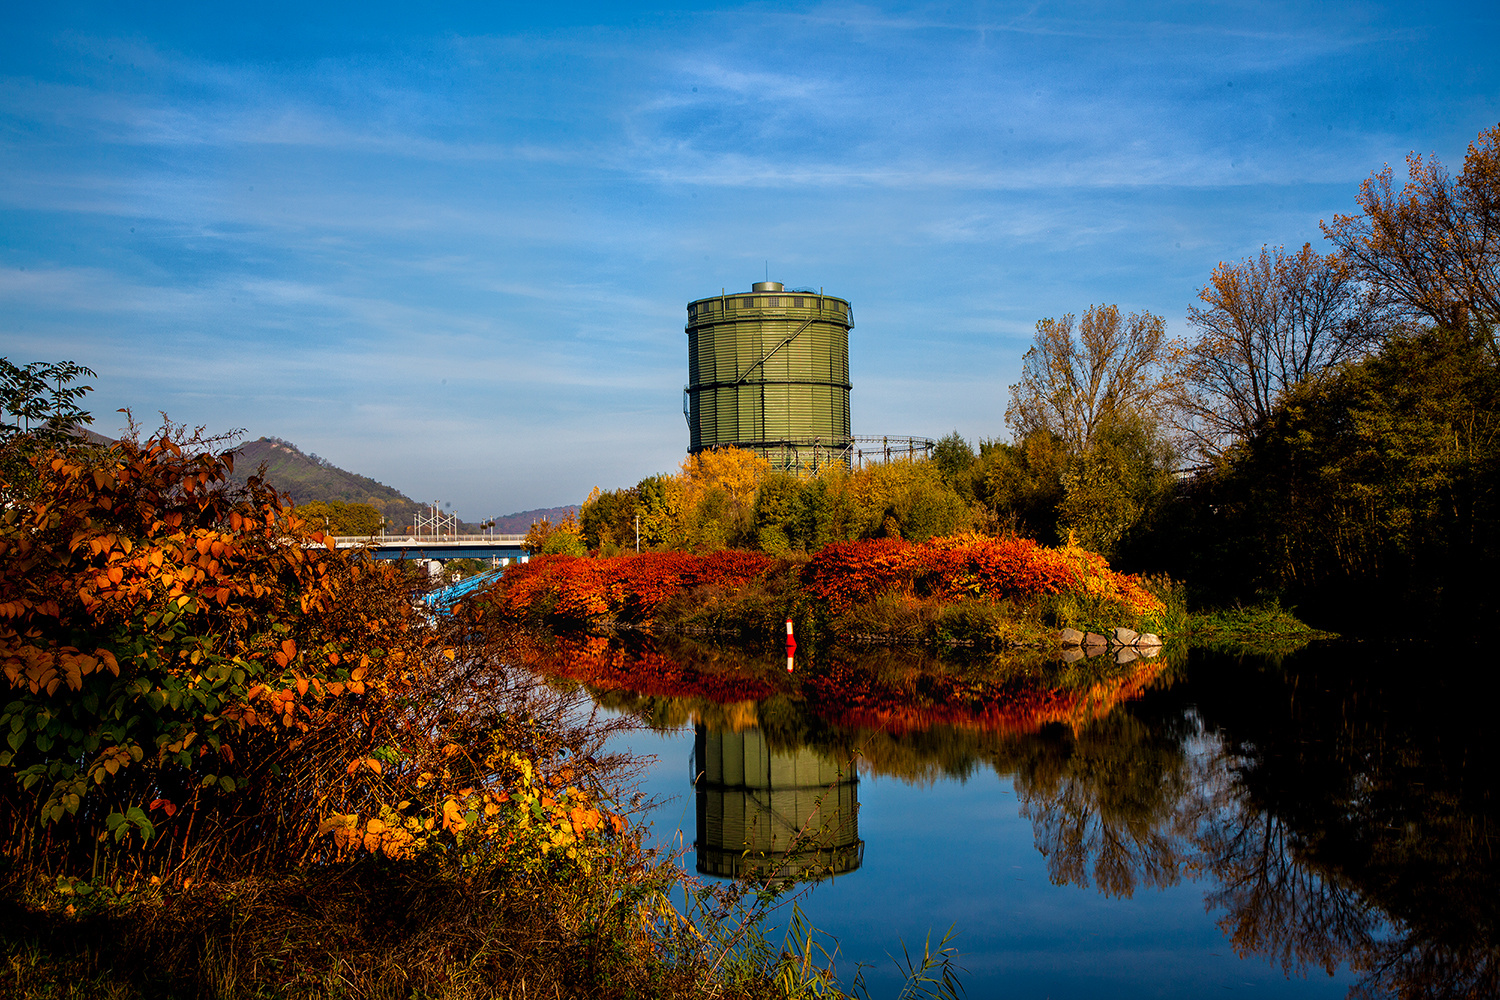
x=621 y=588
x=840 y=577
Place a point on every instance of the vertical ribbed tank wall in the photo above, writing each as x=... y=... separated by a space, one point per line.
x=768 y=370
x=789 y=814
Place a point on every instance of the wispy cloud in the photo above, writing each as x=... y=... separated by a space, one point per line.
x=402 y=253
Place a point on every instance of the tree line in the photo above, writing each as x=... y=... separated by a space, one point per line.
x=1324 y=433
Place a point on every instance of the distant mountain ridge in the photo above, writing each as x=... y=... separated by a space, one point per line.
x=308 y=478
x=519 y=524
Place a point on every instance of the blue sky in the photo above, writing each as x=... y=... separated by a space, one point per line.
x=452 y=250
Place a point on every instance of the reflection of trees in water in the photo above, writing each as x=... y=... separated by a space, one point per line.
x=1420 y=968
x=1105 y=804
x=1340 y=813
x=1275 y=904
x=1339 y=816
x=1358 y=821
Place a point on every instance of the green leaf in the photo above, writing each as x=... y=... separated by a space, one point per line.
x=138 y=816
x=227 y=784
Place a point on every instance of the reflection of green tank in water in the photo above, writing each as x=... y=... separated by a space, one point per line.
x=789 y=815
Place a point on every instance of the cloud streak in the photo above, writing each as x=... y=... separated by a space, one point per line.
x=478 y=242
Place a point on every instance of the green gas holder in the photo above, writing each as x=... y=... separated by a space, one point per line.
x=768 y=371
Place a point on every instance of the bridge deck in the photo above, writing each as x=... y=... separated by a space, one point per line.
x=436 y=546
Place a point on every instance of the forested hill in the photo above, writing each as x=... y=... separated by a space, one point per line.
x=309 y=478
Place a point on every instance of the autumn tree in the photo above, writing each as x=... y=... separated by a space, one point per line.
x=1435 y=245
x=1370 y=496
x=1118 y=483
x=658 y=504
x=906 y=499
x=1020 y=485
x=546 y=538
x=339 y=518
x=1266 y=323
x=1072 y=380
x=718 y=490
x=608 y=519
x=778 y=510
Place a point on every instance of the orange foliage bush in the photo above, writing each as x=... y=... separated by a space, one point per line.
x=841 y=576
x=626 y=587
x=192 y=677
x=846 y=573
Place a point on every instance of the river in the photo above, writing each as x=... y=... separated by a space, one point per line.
x=1319 y=823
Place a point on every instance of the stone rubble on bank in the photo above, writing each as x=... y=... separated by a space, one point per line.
x=1123 y=640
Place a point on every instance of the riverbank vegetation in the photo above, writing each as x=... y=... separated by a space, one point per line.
x=235 y=763
x=958 y=590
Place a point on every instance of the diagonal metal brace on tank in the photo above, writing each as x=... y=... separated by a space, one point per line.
x=767 y=356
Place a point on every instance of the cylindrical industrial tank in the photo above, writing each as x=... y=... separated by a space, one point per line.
x=768 y=371
x=786 y=815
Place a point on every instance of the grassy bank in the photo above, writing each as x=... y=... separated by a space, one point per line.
x=1265 y=628
x=367 y=930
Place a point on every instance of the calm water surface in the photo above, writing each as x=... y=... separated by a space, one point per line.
x=1314 y=825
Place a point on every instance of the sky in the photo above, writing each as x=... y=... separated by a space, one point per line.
x=452 y=249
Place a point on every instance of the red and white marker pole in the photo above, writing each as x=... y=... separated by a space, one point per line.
x=791 y=645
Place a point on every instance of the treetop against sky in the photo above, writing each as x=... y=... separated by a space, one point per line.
x=451 y=250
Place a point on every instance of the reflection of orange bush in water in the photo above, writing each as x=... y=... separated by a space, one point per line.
x=597 y=662
x=840 y=692
x=1010 y=707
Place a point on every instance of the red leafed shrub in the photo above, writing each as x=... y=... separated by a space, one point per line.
x=846 y=573
x=626 y=587
x=849 y=573
x=972 y=566
x=840 y=577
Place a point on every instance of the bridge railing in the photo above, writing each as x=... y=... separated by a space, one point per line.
x=387 y=541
